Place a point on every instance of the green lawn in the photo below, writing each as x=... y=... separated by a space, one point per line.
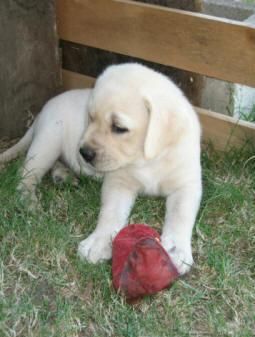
x=46 y=291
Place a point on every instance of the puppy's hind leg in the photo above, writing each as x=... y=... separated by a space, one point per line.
x=40 y=158
x=61 y=174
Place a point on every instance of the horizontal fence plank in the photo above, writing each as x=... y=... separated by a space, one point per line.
x=222 y=131
x=71 y=80
x=211 y=46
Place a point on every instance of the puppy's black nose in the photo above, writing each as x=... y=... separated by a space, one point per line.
x=88 y=153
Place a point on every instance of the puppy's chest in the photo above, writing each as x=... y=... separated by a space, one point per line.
x=150 y=180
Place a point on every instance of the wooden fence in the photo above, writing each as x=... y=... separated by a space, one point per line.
x=215 y=47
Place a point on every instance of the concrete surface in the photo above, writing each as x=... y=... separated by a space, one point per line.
x=230 y=9
x=243 y=96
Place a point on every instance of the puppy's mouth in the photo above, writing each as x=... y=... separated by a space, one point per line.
x=106 y=166
x=93 y=161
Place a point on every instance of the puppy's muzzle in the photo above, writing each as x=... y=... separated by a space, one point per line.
x=88 y=154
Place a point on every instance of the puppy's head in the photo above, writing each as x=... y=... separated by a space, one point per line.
x=128 y=117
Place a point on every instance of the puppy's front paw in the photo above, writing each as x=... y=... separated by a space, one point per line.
x=95 y=248
x=62 y=175
x=181 y=260
x=180 y=254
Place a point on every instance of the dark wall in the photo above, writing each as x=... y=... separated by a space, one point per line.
x=29 y=61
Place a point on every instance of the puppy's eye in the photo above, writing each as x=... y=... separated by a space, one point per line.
x=118 y=129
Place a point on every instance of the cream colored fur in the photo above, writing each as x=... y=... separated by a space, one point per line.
x=54 y=135
x=158 y=154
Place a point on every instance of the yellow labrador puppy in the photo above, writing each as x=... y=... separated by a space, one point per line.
x=144 y=136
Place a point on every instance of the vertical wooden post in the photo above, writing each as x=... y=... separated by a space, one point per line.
x=29 y=61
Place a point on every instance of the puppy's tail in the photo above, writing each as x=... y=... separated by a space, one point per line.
x=20 y=147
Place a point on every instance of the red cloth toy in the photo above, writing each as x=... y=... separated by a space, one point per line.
x=140 y=265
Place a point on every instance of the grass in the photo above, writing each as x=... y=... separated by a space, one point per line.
x=250 y=116
x=250 y=2
x=46 y=291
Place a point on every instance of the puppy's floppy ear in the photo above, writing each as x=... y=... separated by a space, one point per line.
x=157 y=136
